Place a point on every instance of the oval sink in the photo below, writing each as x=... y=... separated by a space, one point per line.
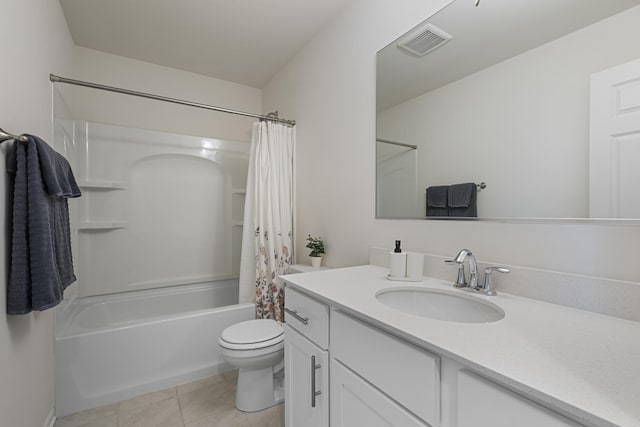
x=441 y=305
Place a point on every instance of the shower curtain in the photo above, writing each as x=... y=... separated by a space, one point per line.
x=268 y=219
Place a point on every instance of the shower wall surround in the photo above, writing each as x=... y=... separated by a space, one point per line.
x=160 y=209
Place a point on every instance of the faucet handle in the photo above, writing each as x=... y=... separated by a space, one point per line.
x=487 y=287
x=461 y=280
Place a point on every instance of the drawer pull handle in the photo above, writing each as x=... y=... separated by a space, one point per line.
x=314 y=393
x=295 y=314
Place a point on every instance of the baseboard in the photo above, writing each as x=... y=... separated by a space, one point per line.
x=51 y=419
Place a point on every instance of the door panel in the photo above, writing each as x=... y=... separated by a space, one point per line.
x=614 y=178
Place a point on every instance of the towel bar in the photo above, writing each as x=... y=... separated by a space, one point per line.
x=5 y=136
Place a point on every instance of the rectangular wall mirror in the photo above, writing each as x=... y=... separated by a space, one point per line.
x=537 y=100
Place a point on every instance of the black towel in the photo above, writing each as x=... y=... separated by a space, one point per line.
x=462 y=200
x=437 y=200
x=41 y=262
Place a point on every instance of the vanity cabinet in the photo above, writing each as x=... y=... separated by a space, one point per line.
x=371 y=377
x=483 y=403
x=306 y=359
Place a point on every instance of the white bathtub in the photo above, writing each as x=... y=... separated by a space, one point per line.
x=114 y=347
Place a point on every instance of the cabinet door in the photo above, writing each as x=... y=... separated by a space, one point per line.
x=484 y=404
x=302 y=379
x=356 y=403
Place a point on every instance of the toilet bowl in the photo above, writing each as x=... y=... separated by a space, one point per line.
x=256 y=348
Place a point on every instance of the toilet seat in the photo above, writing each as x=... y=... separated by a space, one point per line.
x=256 y=348
x=252 y=335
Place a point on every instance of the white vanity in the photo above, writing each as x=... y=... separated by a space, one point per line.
x=353 y=361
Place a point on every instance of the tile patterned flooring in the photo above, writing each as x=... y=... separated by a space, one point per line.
x=204 y=403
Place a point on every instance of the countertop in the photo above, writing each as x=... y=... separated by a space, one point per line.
x=580 y=363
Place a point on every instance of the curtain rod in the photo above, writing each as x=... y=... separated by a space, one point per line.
x=402 y=144
x=271 y=117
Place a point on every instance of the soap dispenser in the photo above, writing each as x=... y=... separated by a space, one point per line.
x=397 y=263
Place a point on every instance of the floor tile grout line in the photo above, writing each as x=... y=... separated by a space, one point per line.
x=180 y=407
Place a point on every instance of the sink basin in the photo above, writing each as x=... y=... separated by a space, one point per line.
x=453 y=306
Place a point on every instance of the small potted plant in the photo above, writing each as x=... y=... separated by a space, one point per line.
x=317 y=250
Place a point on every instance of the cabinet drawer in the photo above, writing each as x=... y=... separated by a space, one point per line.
x=307 y=316
x=484 y=404
x=407 y=374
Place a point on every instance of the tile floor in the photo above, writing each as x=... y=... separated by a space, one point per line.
x=205 y=403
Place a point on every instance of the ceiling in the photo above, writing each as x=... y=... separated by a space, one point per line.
x=482 y=36
x=243 y=41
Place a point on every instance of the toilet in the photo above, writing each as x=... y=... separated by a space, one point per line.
x=256 y=348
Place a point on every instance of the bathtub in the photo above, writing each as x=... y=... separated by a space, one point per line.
x=114 y=347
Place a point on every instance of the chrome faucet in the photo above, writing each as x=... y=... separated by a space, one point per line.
x=461 y=281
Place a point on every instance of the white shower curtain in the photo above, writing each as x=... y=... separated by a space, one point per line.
x=268 y=219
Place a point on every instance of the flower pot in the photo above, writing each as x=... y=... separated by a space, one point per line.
x=316 y=261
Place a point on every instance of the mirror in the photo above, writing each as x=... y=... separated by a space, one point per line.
x=506 y=102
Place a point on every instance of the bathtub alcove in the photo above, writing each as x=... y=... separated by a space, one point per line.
x=157 y=238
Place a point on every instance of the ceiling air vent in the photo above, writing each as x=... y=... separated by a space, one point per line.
x=424 y=39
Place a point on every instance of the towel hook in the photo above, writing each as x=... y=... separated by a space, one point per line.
x=5 y=136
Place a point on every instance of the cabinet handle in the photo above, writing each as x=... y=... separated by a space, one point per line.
x=314 y=393
x=295 y=314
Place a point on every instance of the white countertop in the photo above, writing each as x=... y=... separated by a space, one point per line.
x=578 y=362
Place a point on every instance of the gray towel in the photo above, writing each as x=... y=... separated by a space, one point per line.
x=462 y=200
x=41 y=261
x=437 y=200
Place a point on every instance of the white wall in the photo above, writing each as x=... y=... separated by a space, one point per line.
x=549 y=88
x=329 y=88
x=113 y=108
x=35 y=41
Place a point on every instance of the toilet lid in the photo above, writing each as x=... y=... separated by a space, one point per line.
x=253 y=332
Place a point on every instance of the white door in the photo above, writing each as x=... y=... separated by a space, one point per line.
x=614 y=155
x=356 y=403
x=303 y=380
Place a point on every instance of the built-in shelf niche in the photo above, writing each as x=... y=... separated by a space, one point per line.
x=100 y=225
x=237 y=206
x=101 y=185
